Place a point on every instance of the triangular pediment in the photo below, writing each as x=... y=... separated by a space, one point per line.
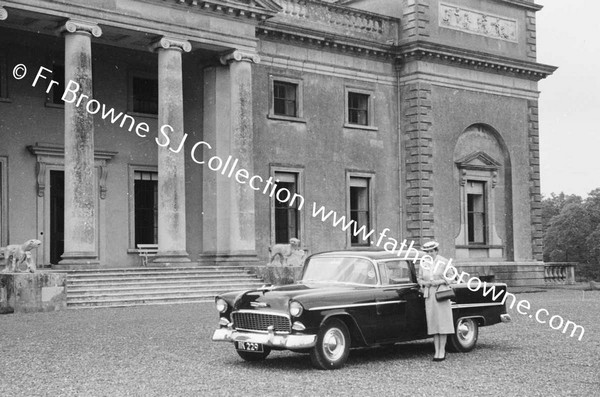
x=478 y=160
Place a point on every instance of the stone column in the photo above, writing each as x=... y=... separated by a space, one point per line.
x=171 y=165
x=228 y=206
x=80 y=175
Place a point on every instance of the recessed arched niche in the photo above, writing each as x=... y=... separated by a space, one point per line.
x=483 y=174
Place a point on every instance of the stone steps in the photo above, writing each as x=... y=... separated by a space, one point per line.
x=152 y=286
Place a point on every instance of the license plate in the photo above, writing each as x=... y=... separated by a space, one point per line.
x=249 y=346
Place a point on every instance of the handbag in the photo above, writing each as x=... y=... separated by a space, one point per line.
x=445 y=294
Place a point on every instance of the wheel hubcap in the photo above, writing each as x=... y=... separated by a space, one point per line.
x=334 y=344
x=466 y=331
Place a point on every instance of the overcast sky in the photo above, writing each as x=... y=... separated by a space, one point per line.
x=568 y=36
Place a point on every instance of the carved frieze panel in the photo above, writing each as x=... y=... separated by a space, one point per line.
x=477 y=22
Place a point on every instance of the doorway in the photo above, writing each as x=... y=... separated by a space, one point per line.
x=57 y=215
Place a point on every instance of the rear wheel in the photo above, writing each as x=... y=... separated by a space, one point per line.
x=253 y=356
x=333 y=345
x=465 y=336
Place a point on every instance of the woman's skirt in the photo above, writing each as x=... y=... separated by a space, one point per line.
x=439 y=315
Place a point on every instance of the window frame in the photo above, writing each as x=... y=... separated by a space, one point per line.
x=136 y=73
x=299 y=98
x=3 y=201
x=370 y=178
x=50 y=94
x=298 y=171
x=4 y=78
x=371 y=122
x=485 y=214
x=132 y=169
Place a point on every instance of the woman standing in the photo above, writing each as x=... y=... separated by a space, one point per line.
x=439 y=313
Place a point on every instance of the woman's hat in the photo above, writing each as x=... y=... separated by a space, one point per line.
x=430 y=246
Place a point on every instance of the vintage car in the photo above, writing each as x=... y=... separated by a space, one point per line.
x=346 y=299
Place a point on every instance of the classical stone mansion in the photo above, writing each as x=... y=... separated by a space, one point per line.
x=420 y=116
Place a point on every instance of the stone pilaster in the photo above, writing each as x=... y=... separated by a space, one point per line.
x=80 y=176
x=417 y=120
x=228 y=206
x=530 y=28
x=535 y=196
x=171 y=165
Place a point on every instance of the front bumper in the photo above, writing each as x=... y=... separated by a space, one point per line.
x=505 y=318
x=271 y=339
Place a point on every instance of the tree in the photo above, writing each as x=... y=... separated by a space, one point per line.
x=555 y=203
x=566 y=237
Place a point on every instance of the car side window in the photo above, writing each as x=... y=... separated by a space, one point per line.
x=394 y=272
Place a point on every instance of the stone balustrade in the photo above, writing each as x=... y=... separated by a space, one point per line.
x=559 y=272
x=333 y=18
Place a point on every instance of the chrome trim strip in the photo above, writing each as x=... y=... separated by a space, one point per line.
x=468 y=305
x=272 y=313
x=355 y=305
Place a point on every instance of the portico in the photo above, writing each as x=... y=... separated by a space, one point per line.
x=227 y=223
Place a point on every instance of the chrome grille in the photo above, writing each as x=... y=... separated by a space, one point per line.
x=257 y=321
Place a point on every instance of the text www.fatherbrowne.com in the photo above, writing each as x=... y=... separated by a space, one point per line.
x=229 y=168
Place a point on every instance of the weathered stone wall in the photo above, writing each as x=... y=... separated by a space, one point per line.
x=32 y=292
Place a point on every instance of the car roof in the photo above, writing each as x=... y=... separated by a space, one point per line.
x=373 y=254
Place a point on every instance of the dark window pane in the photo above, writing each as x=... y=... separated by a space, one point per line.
x=358 y=108
x=58 y=75
x=286 y=216
x=284 y=99
x=359 y=212
x=146 y=211
x=145 y=95
x=476 y=218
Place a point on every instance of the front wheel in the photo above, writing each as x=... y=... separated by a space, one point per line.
x=253 y=356
x=333 y=345
x=465 y=336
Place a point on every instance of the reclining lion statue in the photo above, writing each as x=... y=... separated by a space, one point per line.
x=17 y=254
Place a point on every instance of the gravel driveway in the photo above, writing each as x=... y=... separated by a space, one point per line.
x=166 y=350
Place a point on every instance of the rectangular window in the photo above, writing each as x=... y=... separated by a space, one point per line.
x=476 y=216
x=284 y=99
x=3 y=202
x=146 y=207
x=143 y=94
x=56 y=92
x=285 y=96
x=358 y=108
x=3 y=78
x=359 y=209
x=287 y=213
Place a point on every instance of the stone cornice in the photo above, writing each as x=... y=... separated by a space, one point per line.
x=78 y=26
x=529 y=5
x=307 y=37
x=171 y=43
x=52 y=150
x=519 y=3
x=251 y=9
x=238 y=56
x=473 y=60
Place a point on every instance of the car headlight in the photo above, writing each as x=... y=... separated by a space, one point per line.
x=296 y=309
x=221 y=305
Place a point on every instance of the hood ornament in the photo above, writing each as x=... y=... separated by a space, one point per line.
x=259 y=304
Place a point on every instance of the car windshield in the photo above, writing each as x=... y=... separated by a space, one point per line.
x=342 y=270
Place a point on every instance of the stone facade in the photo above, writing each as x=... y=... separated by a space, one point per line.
x=404 y=114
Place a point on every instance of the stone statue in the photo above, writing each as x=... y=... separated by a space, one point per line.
x=16 y=254
x=289 y=254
